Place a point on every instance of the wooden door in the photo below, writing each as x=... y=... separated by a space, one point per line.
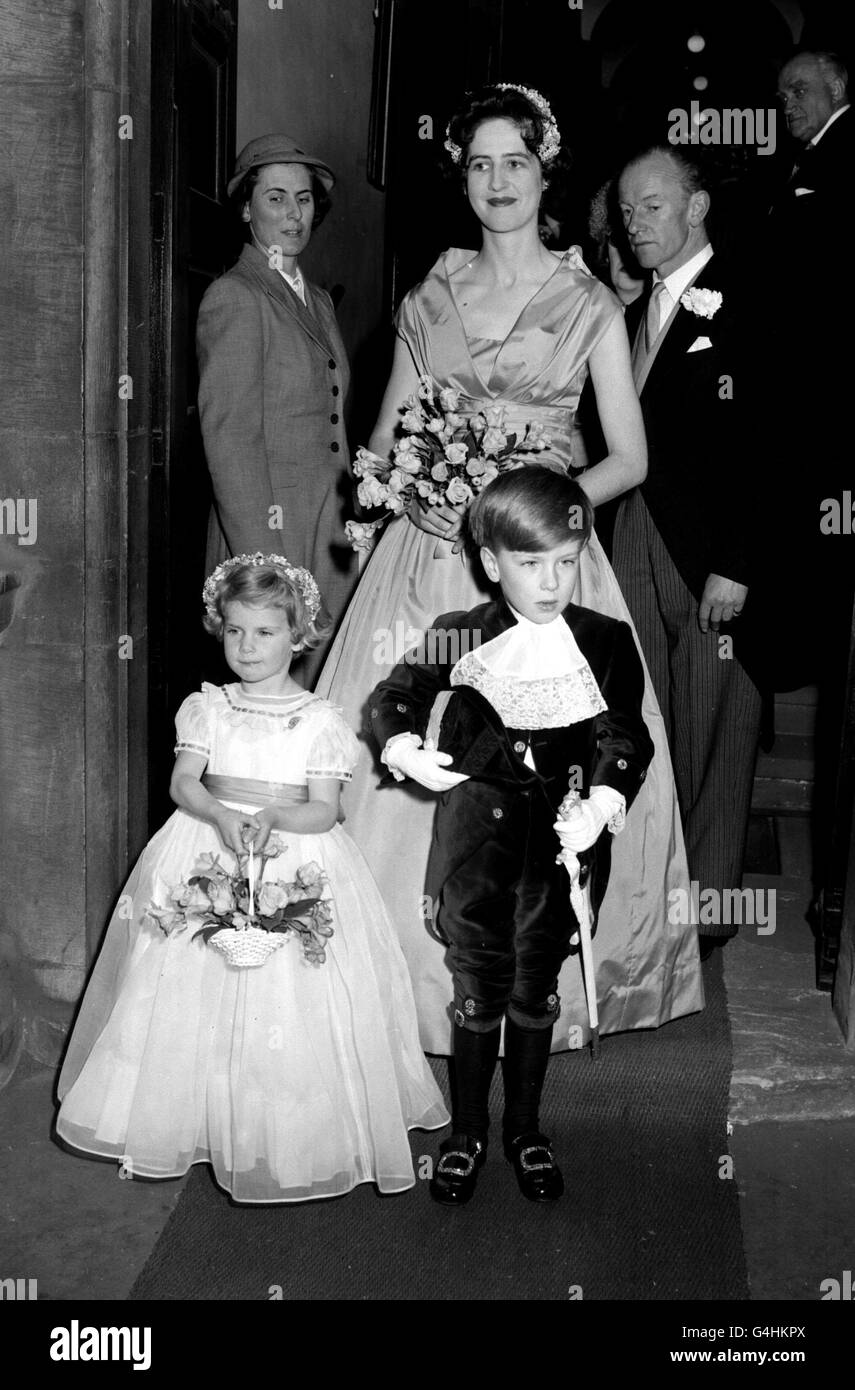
x=194 y=62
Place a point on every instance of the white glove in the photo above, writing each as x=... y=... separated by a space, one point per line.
x=583 y=828
x=424 y=765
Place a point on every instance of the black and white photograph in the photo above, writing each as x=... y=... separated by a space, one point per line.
x=427 y=671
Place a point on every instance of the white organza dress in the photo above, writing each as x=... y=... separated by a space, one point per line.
x=293 y=1081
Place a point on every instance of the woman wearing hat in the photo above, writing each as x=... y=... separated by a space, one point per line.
x=273 y=376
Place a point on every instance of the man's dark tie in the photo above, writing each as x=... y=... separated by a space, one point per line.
x=802 y=160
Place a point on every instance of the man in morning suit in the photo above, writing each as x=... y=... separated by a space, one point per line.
x=682 y=547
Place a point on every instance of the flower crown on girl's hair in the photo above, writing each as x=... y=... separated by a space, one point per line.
x=551 y=142
x=303 y=580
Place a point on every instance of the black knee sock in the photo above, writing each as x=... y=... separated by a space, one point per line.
x=474 y=1063
x=526 y=1058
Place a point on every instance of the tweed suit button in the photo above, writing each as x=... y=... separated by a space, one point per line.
x=622 y=764
x=333 y=419
x=402 y=709
x=519 y=746
x=334 y=447
x=375 y=712
x=497 y=813
x=332 y=365
x=335 y=390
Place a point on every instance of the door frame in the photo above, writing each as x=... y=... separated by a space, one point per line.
x=174 y=421
x=116 y=376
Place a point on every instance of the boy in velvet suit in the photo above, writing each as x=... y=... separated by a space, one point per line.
x=544 y=695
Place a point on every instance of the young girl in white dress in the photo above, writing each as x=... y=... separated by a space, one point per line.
x=297 y=1078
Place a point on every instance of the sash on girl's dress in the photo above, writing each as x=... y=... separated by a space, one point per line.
x=248 y=789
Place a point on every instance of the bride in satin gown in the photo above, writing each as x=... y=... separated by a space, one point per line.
x=517 y=326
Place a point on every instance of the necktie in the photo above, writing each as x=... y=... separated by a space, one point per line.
x=654 y=314
x=646 y=337
x=801 y=159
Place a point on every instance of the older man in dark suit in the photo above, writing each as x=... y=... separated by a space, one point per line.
x=809 y=280
x=812 y=90
x=809 y=225
x=807 y=310
x=682 y=548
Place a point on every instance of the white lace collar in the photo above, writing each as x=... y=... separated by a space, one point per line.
x=534 y=676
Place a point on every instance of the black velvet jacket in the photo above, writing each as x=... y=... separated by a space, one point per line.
x=610 y=749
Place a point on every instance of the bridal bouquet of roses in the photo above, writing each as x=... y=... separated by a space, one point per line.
x=442 y=457
x=247 y=918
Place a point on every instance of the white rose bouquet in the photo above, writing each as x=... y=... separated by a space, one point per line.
x=214 y=900
x=442 y=457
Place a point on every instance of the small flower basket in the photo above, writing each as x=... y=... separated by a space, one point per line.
x=245 y=917
x=442 y=457
x=244 y=947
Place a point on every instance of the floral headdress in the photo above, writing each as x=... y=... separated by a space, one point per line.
x=551 y=142
x=295 y=573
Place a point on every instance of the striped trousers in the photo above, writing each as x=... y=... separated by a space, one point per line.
x=710 y=707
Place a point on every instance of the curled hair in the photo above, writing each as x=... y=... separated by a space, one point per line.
x=265 y=586
x=532 y=508
x=605 y=226
x=243 y=193
x=600 y=228
x=496 y=104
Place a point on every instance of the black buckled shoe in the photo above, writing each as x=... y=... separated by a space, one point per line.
x=538 y=1175
x=456 y=1173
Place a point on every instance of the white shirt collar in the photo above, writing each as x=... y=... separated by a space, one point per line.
x=529 y=622
x=680 y=279
x=832 y=118
x=296 y=281
x=533 y=651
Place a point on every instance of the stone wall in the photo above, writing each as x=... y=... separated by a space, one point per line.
x=42 y=114
x=71 y=190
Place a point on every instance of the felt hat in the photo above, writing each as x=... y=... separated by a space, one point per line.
x=277 y=149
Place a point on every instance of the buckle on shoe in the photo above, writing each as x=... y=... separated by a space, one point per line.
x=452 y=1170
x=527 y=1166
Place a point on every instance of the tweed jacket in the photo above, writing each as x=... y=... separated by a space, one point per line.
x=273 y=380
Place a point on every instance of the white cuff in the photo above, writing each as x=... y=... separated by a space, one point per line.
x=390 y=744
x=612 y=804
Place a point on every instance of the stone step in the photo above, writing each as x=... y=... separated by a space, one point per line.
x=783 y=779
x=775 y=795
x=790 y=757
x=795 y=711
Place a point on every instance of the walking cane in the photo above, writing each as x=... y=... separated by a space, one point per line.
x=570 y=806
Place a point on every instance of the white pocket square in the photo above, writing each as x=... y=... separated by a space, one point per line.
x=800 y=192
x=699 y=344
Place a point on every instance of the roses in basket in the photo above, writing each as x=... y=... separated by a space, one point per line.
x=247 y=920
x=443 y=457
